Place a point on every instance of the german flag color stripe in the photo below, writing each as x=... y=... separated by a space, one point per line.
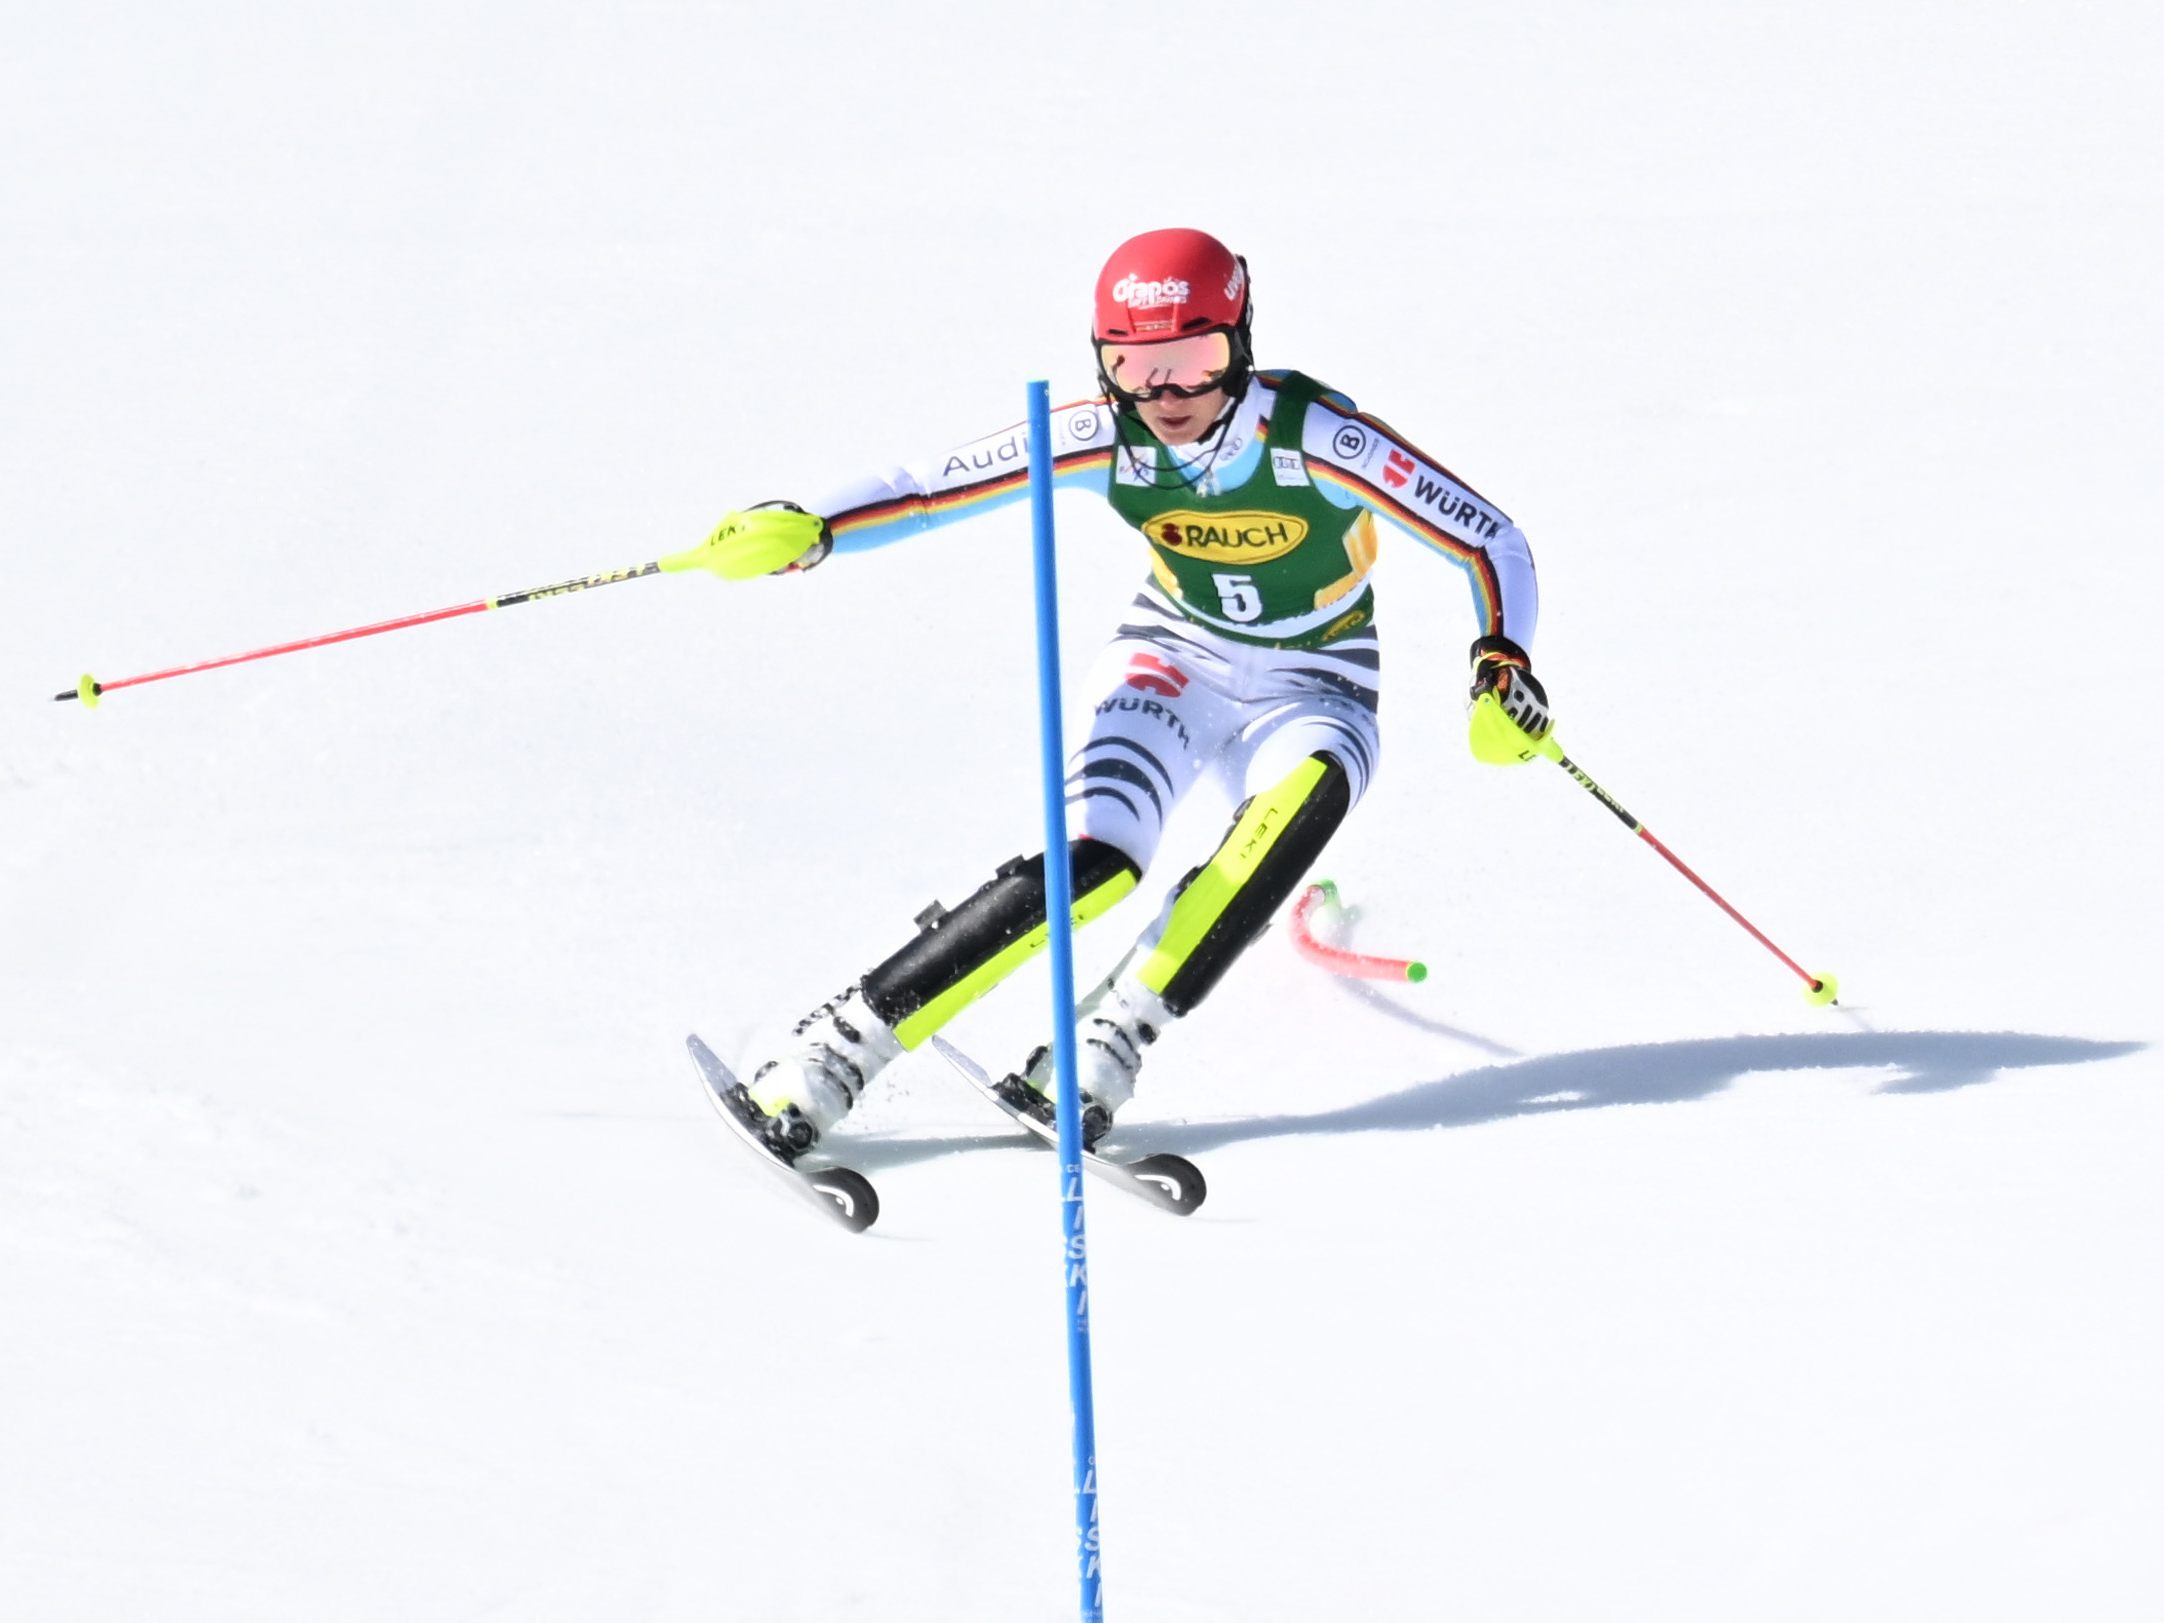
x=1487 y=590
x=944 y=506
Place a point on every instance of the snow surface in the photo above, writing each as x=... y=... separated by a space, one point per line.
x=366 y=1248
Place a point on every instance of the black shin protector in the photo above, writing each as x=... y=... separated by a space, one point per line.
x=962 y=953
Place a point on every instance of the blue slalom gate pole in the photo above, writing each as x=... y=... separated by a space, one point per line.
x=1059 y=913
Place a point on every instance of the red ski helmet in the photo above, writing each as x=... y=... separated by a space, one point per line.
x=1169 y=285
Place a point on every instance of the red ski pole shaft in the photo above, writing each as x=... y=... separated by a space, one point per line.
x=90 y=689
x=1819 y=988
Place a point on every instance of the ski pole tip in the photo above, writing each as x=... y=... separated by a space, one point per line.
x=86 y=690
x=1824 y=990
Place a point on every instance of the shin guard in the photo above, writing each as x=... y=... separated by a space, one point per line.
x=1227 y=902
x=960 y=955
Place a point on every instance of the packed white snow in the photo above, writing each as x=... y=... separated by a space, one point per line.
x=366 y=1248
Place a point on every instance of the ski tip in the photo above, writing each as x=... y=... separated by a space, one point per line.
x=1170 y=1181
x=856 y=1202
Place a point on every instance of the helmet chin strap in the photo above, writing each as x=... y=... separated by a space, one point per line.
x=1223 y=420
x=1198 y=456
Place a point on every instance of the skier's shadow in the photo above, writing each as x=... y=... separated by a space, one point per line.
x=1592 y=1079
x=1658 y=1073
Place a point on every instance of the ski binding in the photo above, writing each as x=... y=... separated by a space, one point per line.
x=1169 y=1181
x=844 y=1195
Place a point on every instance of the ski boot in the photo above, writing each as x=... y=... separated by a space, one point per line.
x=799 y=1095
x=1112 y=1027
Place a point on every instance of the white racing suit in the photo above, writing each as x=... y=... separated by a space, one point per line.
x=1252 y=653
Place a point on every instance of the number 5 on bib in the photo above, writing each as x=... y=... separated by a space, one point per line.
x=1238 y=598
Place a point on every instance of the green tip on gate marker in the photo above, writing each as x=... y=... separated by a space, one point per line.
x=1416 y=971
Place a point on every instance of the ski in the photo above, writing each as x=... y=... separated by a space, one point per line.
x=1169 y=1181
x=844 y=1195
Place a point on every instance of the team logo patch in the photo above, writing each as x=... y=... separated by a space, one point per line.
x=1351 y=442
x=1244 y=537
x=1154 y=675
x=1288 y=467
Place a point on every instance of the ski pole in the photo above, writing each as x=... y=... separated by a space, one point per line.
x=90 y=689
x=1818 y=988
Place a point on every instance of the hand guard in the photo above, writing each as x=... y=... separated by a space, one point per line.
x=1508 y=729
x=769 y=539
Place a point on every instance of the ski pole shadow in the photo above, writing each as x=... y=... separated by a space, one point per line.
x=1375 y=998
x=1660 y=1073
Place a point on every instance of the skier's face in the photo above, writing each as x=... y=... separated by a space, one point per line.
x=1181 y=422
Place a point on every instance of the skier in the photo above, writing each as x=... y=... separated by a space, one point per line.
x=1250 y=653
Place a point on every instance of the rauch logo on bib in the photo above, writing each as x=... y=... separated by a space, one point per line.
x=1246 y=537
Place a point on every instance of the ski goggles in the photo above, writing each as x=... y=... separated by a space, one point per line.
x=1181 y=367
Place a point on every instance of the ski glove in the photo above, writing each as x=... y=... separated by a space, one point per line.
x=1504 y=731
x=769 y=539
